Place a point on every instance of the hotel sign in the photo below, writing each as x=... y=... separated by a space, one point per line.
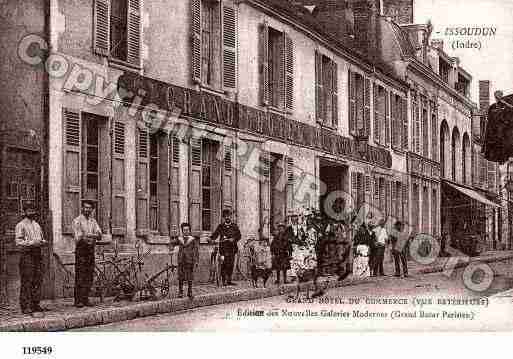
x=143 y=91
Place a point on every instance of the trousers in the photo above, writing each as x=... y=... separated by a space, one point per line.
x=227 y=268
x=30 y=276
x=84 y=271
x=400 y=258
x=379 y=257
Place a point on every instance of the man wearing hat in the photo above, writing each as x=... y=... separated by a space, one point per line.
x=86 y=232
x=229 y=235
x=281 y=249
x=29 y=238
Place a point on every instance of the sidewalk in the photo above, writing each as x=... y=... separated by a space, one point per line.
x=62 y=315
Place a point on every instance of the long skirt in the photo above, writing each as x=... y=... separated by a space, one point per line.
x=361 y=267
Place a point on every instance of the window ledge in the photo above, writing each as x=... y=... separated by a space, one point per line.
x=155 y=238
x=123 y=65
x=278 y=110
x=212 y=90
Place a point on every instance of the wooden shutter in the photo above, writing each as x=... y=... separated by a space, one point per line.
x=319 y=91
x=216 y=176
x=368 y=190
x=434 y=135
x=406 y=207
x=434 y=211
x=174 y=185
x=377 y=130
x=72 y=185
x=142 y=183
x=195 y=183
x=386 y=116
x=118 y=179
x=352 y=102
x=393 y=200
x=265 y=193
x=404 y=120
x=491 y=175
x=388 y=198
x=101 y=26
x=134 y=32
x=289 y=72
x=290 y=185
x=163 y=183
x=334 y=95
x=264 y=64
x=354 y=189
x=376 y=192
x=196 y=40
x=228 y=178
x=229 y=46
x=366 y=104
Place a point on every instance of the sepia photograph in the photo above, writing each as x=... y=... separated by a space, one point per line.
x=255 y=166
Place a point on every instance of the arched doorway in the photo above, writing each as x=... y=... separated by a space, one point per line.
x=466 y=159
x=445 y=150
x=456 y=155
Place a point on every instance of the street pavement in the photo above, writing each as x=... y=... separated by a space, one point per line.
x=421 y=302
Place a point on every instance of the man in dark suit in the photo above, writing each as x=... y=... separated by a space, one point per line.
x=229 y=235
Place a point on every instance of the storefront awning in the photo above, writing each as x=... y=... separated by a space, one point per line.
x=474 y=195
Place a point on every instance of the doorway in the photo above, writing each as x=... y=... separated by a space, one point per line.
x=335 y=177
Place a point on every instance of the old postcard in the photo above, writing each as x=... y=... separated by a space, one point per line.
x=256 y=165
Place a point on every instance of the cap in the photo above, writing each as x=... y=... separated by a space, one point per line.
x=29 y=205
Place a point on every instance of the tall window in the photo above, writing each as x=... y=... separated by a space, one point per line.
x=209 y=181
x=425 y=130
x=210 y=33
x=434 y=211
x=275 y=51
x=326 y=90
x=359 y=104
x=416 y=124
x=90 y=169
x=118 y=29
x=154 y=182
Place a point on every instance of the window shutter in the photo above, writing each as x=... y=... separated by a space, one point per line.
x=196 y=40
x=265 y=194
x=368 y=190
x=388 y=198
x=101 y=42
x=404 y=120
x=406 y=208
x=335 y=93
x=228 y=178
x=163 y=183
x=393 y=201
x=434 y=211
x=264 y=64
x=195 y=190
x=134 y=32
x=352 y=102
x=319 y=91
x=289 y=73
x=434 y=135
x=376 y=203
x=229 y=46
x=142 y=187
x=377 y=130
x=72 y=168
x=354 y=189
x=217 y=184
x=290 y=185
x=366 y=102
x=491 y=175
x=174 y=185
x=386 y=116
x=118 y=179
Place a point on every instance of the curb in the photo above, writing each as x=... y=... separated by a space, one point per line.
x=146 y=309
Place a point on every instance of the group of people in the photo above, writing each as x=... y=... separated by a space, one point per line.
x=311 y=248
x=370 y=242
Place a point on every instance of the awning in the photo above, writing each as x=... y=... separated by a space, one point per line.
x=473 y=194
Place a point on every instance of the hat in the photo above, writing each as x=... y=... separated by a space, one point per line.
x=280 y=224
x=29 y=205
x=227 y=212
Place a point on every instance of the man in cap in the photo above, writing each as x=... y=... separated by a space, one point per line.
x=281 y=249
x=29 y=238
x=86 y=232
x=229 y=235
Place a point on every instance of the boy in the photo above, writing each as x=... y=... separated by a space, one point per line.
x=188 y=258
x=261 y=261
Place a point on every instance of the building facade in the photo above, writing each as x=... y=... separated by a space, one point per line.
x=248 y=105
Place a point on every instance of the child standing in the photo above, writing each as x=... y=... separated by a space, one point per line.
x=188 y=258
x=261 y=260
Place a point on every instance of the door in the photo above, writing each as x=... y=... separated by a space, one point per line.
x=20 y=182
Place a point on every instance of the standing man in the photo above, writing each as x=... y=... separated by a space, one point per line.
x=229 y=235
x=380 y=242
x=399 y=244
x=86 y=232
x=281 y=250
x=188 y=259
x=29 y=238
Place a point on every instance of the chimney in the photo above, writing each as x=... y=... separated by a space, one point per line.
x=366 y=14
x=484 y=95
x=438 y=44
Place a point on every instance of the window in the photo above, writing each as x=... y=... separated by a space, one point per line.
x=434 y=134
x=154 y=182
x=381 y=117
x=207 y=186
x=416 y=124
x=359 y=104
x=443 y=70
x=416 y=208
x=425 y=130
x=326 y=90
x=425 y=210
x=117 y=30
x=275 y=52
x=214 y=26
x=90 y=153
x=434 y=211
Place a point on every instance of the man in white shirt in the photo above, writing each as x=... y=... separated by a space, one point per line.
x=29 y=239
x=86 y=232
x=381 y=240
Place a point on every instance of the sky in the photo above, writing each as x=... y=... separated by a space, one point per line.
x=494 y=61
